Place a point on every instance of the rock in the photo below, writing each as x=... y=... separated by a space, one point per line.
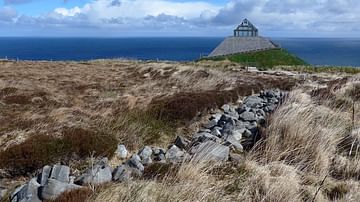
x=204 y=130
x=53 y=188
x=146 y=161
x=226 y=108
x=44 y=175
x=260 y=112
x=99 y=174
x=242 y=109
x=237 y=134
x=26 y=192
x=158 y=151
x=135 y=162
x=60 y=173
x=271 y=107
x=211 y=124
x=181 y=142
x=248 y=116
x=261 y=121
x=230 y=140
x=174 y=154
x=145 y=153
x=270 y=94
x=253 y=102
x=216 y=117
x=122 y=173
x=247 y=133
x=160 y=157
x=228 y=127
x=210 y=151
x=203 y=137
x=122 y=151
x=216 y=132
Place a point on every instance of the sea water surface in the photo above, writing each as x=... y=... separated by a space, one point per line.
x=316 y=51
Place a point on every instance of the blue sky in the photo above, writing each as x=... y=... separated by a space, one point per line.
x=123 y=18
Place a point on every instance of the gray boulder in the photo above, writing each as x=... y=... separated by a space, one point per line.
x=145 y=153
x=122 y=152
x=248 y=116
x=27 y=192
x=122 y=173
x=237 y=134
x=254 y=101
x=44 y=175
x=54 y=188
x=59 y=172
x=100 y=173
x=182 y=142
x=212 y=123
x=158 y=151
x=216 y=116
x=203 y=137
x=174 y=154
x=160 y=158
x=204 y=130
x=216 y=132
x=210 y=151
x=226 y=108
x=231 y=141
x=135 y=162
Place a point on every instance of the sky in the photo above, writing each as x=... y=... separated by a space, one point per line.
x=143 y=18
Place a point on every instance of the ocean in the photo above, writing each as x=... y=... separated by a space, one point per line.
x=316 y=51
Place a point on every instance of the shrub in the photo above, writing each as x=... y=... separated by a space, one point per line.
x=184 y=106
x=77 y=195
x=40 y=150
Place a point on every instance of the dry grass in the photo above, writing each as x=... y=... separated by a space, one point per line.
x=189 y=183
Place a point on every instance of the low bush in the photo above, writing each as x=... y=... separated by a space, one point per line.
x=39 y=150
x=77 y=195
x=184 y=106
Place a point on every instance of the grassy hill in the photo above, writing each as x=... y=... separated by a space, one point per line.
x=263 y=59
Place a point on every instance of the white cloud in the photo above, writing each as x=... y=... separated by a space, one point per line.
x=277 y=17
x=7 y=14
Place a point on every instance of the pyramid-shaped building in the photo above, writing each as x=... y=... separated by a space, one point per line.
x=246 y=39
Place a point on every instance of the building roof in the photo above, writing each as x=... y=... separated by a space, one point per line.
x=246 y=25
x=233 y=45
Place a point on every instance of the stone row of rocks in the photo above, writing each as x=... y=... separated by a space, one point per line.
x=232 y=129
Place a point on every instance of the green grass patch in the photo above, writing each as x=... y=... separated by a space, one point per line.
x=263 y=59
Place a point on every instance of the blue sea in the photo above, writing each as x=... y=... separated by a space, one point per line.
x=316 y=51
